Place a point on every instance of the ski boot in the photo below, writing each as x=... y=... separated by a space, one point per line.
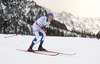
x=41 y=48
x=30 y=49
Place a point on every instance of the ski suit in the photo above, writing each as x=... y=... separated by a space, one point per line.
x=42 y=21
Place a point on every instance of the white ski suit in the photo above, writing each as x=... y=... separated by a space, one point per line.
x=42 y=21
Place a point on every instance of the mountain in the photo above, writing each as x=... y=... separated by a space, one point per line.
x=88 y=25
x=19 y=15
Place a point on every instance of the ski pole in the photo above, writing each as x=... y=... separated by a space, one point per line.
x=11 y=35
x=17 y=34
x=24 y=33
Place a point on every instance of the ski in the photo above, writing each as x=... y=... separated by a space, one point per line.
x=49 y=53
x=60 y=53
x=41 y=52
x=63 y=53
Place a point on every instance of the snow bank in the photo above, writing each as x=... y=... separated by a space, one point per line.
x=88 y=50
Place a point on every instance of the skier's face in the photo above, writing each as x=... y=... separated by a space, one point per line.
x=50 y=19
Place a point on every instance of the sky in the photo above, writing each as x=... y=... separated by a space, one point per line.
x=79 y=8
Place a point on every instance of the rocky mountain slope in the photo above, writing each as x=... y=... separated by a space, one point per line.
x=19 y=15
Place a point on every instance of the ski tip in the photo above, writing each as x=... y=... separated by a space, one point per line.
x=74 y=53
x=19 y=49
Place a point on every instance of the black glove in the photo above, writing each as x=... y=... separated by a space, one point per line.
x=44 y=28
x=47 y=34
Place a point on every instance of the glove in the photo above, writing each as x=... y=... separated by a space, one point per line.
x=44 y=28
x=16 y=33
x=47 y=34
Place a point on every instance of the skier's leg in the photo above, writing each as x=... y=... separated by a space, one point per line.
x=43 y=36
x=42 y=40
x=34 y=40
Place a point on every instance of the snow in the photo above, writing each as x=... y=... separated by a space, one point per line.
x=3 y=7
x=88 y=50
x=27 y=10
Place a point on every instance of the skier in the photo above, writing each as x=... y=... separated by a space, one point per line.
x=40 y=28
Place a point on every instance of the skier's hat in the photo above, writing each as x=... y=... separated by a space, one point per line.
x=50 y=15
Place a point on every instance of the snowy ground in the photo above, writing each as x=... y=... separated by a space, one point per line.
x=88 y=50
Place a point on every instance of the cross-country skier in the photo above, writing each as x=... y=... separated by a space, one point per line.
x=40 y=28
